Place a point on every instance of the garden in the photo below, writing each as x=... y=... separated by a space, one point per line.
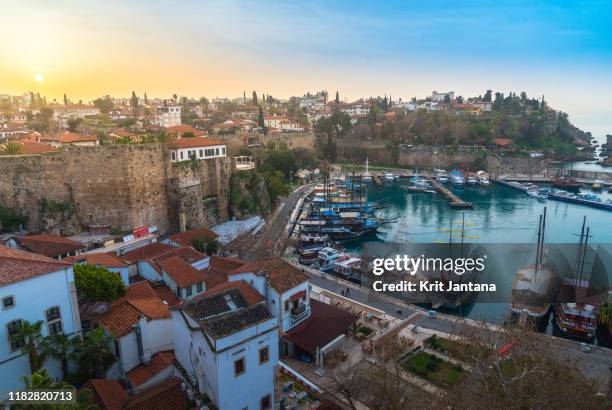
x=434 y=369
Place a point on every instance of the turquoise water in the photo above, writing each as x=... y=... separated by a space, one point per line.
x=500 y=215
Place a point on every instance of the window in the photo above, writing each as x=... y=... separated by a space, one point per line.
x=210 y=152
x=12 y=329
x=264 y=355
x=8 y=302
x=223 y=151
x=188 y=291
x=239 y=367
x=216 y=151
x=266 y=402
x=54 y=320
x=201 y=153
x=287 y=305
x=181 y=154
x=174 y=156
x=199 y=287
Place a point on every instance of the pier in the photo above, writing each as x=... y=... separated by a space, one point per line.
x=377 y=180
x=455 y=201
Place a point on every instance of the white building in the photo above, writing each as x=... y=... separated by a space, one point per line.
x=441 y=97
x=141 y=325
x=74 y=111
x=168 y=116
x=32 y=288
x=228 y=343
x=356 y=110
x=196 y=148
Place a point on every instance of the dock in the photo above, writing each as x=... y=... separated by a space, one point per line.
x=455 y=201
x=377 y=180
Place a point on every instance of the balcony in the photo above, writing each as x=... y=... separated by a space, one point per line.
x=299 y=313
x=244 y=163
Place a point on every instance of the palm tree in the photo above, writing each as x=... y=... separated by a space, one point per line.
x=42 y=380
x=11 y=148
x=59 y=347
x=38 y=380
x=93 y=353
x=30 y=337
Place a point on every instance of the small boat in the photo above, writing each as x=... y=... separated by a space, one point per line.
x=326 y=258
x=414 y=188
x=389 y=177
x=538 y=193
x=456 y=177
x=472 y=179
x=483 y=178
x=597 y=185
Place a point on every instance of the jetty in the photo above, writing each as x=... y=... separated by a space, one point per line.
x=455 y=201
x=377 y=180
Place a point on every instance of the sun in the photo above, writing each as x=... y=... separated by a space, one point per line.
x=39 y=78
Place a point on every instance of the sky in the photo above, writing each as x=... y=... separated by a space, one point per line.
x=559 y=49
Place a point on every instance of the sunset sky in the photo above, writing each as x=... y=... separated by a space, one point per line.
x=220 y=48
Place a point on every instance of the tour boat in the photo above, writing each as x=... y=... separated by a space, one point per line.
x=456 y=177
x=538 y=193
x=389 y=177
x=535 y=286
x=576 y=316
x=472 y=179
x=566 y=183
x=347 y=266
x=483 y=178
x=597 y=185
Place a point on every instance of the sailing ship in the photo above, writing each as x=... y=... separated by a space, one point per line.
x=366 y=177
x=534 y=286
x=577 y=318
x=567 y=183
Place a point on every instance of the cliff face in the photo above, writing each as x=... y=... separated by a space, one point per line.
x=248 y=195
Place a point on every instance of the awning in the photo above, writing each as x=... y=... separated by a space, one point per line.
x=326 y=322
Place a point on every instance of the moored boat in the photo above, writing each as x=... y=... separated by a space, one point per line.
x=483 y=178
x=456 y=177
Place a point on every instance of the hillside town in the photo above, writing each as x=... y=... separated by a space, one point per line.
x=186 y=280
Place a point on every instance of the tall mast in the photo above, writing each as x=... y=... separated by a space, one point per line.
x=543 y=234
x=537 y=261
x=579 y=258
x=462 y=231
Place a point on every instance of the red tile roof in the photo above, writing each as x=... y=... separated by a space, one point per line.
x=149 y=251
x=502 y=142
x=144 y=372
x=194 y=142
x=69 y=138
x=186 y=238
x=219 y=267
x=181 y=272
x=29 y=147
x=106 y=260
x=326 y=322
x=124 y=313
x=108 y=394
x=164 y=395
x=281 y=274
x=49 y=245
x=17 y=265
x=166 y=294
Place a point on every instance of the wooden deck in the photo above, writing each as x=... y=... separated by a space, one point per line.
x=455 y=201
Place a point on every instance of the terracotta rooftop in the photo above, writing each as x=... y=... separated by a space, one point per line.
x=194 y=142
x=281 y=274
x=108 y=394
x=181 y=272
x=69 y=138
x=17 y=265
x=250 y=295
x=106 y=260
x=166 y=294
x=219 y=267
x=124 y=313
x=49 y=245
x=149 y=251
x=186 y=238
x=164 y=395
x=502 y=141
x=144 y=372
x=30 y=147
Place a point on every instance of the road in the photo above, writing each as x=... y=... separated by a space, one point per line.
x=274 y=229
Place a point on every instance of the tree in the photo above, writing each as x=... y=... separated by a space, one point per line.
x=104 y=104
x=30 y=338
x=93 y=355
x=73 y=124
x=209 y=246
x=487 y=96
x=254 y=98
x=146 y=100
x=97 y=284
x=261 y=123
x=11 y=148
x=10 y=219
x=337 y=98
x=59 y=347
x=41 y=380
x=65 y=100
x=134 y=104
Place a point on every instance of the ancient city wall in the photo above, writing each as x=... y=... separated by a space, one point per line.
x=292 y=140
x=124 y=186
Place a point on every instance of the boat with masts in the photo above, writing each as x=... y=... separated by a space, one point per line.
x=366 y=177
x=534 y=286
x=576 y=315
